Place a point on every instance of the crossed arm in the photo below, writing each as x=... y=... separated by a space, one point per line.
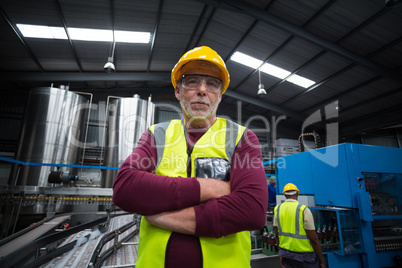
x=202 y=207
x=184 y=220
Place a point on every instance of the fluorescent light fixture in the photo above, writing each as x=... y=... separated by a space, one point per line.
x=83 y=34
x=271 y=69
x=301 y=81
x=38 y=31
x=274 y=71
x=246 y=60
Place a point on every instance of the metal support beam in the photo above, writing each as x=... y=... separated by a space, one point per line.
x=63 y=21
x=281 y=47
x=340 y=95
x=205 y=27
x=265 y=105
x=197 y=26
x=21 y=38
x=80 y=77
x=281 y=24
x=161 y=76
x=158 y=21
x=381 y=119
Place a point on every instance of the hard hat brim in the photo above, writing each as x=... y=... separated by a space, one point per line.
x=290 y=192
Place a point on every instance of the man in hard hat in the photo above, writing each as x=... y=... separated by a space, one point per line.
x=295 y=230
x=199 y=181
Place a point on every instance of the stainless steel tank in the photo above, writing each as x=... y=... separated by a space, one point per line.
x=52 y=131
x=127 y=120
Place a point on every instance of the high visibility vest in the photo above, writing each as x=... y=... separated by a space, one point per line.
x=219 y=141
x=291 y=232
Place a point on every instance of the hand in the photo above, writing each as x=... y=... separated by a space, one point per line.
x=155 y=219
x=322 y=265
x=213 y=188
x=180 y=221
x=282 y=265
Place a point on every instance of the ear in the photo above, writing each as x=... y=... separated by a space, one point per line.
x=177 y=92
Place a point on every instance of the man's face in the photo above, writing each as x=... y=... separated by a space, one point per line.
x=273 y=181
x=201 y=103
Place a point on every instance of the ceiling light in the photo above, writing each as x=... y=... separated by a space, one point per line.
x=109 y=66
x=261 y=89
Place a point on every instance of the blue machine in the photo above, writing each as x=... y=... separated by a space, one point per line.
x=357 y=189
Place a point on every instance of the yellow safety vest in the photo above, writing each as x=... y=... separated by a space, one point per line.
x=219 y=141
x=291 y=232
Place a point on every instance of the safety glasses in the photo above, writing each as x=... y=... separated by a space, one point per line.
x=193 y=82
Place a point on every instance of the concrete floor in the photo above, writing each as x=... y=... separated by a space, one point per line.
x=264 y=261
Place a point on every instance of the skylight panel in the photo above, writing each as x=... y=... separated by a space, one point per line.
x=246 y=60
x=132 y=37
x=38 y=31
x=83 y=34
x=90 y=34
x=271 y=69
x=274 y=71
x=301 y=81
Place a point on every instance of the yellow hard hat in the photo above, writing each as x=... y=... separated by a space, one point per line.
x=290 y=187
x=201 y=54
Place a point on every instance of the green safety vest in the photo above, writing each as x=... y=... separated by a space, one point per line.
x=219 y=141
x=291 y=232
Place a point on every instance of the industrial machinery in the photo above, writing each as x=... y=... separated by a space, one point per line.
x=48 y=201
x=128 y=118
x=354 y=192
x=52 y=131
x=54 y=123
x=51 y=214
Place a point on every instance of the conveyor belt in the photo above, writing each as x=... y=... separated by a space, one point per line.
x=15 y=258
x=32 y=235
x=80 y=255
x=125 y=255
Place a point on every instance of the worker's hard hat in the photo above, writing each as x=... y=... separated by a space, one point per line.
x=290 y=189
x=205 y=54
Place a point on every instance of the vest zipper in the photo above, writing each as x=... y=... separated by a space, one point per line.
x=189 y=151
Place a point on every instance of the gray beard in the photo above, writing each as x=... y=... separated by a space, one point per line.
x=197 y=116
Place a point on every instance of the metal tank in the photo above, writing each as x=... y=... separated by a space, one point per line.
x=128 y=118
x=53 y=127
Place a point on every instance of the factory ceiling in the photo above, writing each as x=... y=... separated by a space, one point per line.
x=351 y=50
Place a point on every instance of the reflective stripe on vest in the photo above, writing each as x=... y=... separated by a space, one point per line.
x=291 y=232
x=220 y=141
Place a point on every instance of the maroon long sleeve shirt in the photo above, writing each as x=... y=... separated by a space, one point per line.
x=136 y=189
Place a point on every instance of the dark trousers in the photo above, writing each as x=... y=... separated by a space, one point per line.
x=290 y=263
